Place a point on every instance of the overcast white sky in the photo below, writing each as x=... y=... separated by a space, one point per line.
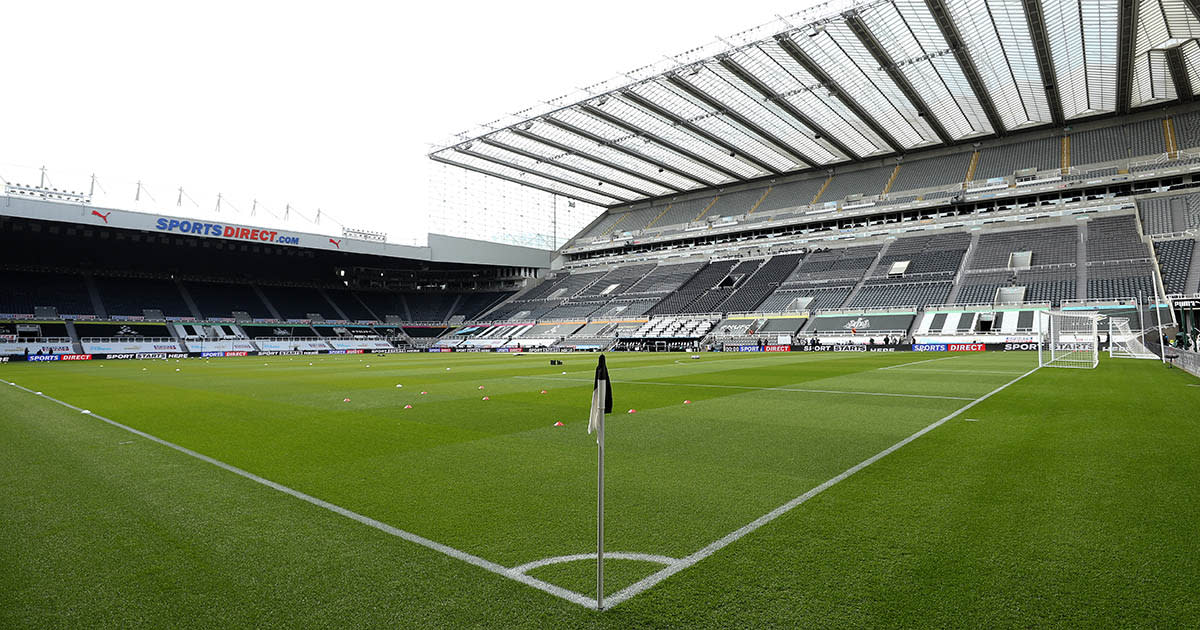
x=320 y=105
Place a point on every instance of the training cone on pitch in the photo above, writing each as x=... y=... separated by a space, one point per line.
x=408 y=406
x=632 y=411
x=176 y=369
x=481 y=387
x=423 y=393
x=486 y=398
x=559 y=424
x=687 y=402
x=543 y=391
x=345 y=400
x=398 y=385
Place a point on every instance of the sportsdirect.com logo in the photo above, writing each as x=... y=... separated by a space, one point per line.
x=200 y=228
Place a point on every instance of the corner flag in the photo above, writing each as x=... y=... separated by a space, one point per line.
x=601 y=399
x=601 y=404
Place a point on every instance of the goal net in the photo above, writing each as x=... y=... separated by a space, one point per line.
x=1124 y=343
x=1069 y=340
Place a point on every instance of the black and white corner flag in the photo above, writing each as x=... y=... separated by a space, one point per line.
x=601 y=399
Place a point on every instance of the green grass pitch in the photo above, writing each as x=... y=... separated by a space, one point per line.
x=1067 y=498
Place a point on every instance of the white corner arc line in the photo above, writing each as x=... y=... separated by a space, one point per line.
x=457 y=554
x=764 y=389
x=630 y=591
x=892 y=367
x=608 y=555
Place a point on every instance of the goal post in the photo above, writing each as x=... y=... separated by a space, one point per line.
x=1123 y=343
x=1068 y=340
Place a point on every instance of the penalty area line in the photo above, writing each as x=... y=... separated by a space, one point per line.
x=642 y=585
x=457 y=554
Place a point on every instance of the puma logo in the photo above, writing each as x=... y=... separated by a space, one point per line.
x=337 y=244
x=103 y=217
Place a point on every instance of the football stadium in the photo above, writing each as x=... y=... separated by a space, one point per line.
x=883 y=314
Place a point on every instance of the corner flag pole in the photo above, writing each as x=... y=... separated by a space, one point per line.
x=601 y=404
x=601 y=386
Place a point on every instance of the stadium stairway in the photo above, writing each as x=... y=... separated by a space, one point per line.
x=963 y=266
x=94 y=294
x=187 y=299
x=75 y=343
x=1081 y=264
x=270 y=307
x=867 y=273
x=333 y=305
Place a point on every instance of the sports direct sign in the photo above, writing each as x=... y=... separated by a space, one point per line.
x=235 y=232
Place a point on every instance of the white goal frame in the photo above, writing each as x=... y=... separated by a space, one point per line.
x=1068 y=340
x=1123 y=343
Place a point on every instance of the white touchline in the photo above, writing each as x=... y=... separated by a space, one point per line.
x=518 y=573
x=649 y=581
x=892 y=367
x=558 y=591
x=751 y=387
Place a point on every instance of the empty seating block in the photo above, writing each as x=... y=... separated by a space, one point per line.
x=1146 y=138
x=429 y=307
x=22 y=291
x=664 y=278
x=637 y=219
x=766 y=279
x=823 y=297
x=791 y=194
x=884 y=294
x=683 y=212
x=980 y=288
x=1099 y=145
x=1115 y=238
x=297 y=302
x=1052 y=285
x=1187 y=129
x=830 y=264
x=1175 y=259
x=935 y=253
x=1044 y=154
x=222 y=299
x=939 y=171
x=1115 y=281
x=868 y=182
x=1050 y=246
x=617 y=280
x=130 y=296
x=735 y=203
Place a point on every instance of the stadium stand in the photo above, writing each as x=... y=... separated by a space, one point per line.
x=868 y=182
x=1048 y=246
x=222 y=299
x=1121 y=281
x=791 y=194
x=1115 y=238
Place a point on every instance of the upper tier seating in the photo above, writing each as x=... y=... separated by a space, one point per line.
x=561 y=286
x=735 y=203
x=939 y=171
x=1099 y=145
x=1048 y=285
x=1146 y=138
x=1044 y=155
x=868 y=183
x=791 y=194
x=1187 y=129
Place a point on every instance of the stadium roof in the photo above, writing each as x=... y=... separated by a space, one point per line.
x=844 y=81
